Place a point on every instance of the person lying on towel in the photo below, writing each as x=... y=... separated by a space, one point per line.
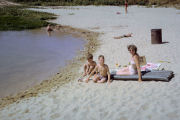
x=134 y=67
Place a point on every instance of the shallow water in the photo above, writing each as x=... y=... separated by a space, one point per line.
x=28 y=57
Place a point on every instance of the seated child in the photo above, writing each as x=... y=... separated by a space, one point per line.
x=102 y=72
x=89 y=66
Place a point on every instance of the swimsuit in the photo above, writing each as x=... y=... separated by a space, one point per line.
x=101 y=77
x=132 y=70
x=126 y=5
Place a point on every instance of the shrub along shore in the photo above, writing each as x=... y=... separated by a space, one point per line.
x=97 y=2
x=19 y=18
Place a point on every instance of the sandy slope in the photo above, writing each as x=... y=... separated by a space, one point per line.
x=120 y=100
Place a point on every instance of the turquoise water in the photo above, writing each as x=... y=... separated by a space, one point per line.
x=28 y=57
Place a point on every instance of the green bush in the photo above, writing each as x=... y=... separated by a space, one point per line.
x=96 y=2
x=17 y=18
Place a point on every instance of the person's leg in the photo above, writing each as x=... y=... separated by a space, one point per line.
x=123 y=71
x=96 y=78
x=84 y=74
x=126 y=8
x=119 y=37
x=103 y=80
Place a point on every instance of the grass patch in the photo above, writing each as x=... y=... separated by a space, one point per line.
x=94 y=2
x=18 y=18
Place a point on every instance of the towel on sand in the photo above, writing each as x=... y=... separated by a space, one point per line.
x=150 y=66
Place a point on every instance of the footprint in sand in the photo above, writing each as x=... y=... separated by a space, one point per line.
x=56 y=115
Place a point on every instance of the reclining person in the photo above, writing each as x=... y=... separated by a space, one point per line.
x=134 y=67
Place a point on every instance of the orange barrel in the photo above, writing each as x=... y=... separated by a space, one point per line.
x=156 y=36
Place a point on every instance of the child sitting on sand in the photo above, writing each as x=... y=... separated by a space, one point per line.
x=89 y=66
x=102 y=72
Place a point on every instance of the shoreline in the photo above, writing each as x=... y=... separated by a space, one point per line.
x=65 y=74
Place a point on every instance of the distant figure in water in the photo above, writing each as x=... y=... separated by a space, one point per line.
x=49 y=29
x=126 y=5
x=125 y=35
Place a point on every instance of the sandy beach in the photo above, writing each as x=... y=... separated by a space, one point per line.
x=120 y=100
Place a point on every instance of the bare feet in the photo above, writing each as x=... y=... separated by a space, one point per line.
x=110 y=81
x=84 y=74
x=80 y=80
x=86 y=80
x=139 y=80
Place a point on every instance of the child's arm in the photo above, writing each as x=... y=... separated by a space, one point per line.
x=87 y=69
x=91 y=68
x=95 y=69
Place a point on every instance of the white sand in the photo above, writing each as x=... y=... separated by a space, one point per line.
x=120 y=100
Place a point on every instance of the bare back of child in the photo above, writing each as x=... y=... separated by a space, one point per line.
x=89 y=67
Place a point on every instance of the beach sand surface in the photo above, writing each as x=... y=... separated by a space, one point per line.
x=120 y=100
